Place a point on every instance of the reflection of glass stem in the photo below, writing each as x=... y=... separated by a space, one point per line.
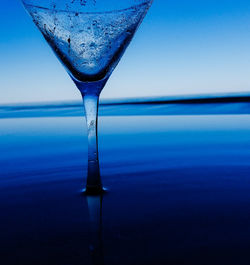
x=95 y=218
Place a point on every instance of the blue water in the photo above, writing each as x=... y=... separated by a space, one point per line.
x=178 y=187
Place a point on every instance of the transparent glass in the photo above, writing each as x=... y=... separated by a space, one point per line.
x=89 y=37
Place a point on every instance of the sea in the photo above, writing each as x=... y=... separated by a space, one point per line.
x=176 y=175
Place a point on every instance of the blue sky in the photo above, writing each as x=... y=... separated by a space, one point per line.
x=182 y=47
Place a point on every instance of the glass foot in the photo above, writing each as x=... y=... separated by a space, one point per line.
x=92 y=191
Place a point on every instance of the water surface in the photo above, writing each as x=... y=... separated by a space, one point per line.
x=178 y=188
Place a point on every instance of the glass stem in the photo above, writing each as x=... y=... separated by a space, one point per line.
x=91 y=102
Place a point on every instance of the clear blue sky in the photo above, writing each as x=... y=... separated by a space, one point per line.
x=182 y=47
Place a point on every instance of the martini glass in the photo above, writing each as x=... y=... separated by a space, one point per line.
x=89 y=37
